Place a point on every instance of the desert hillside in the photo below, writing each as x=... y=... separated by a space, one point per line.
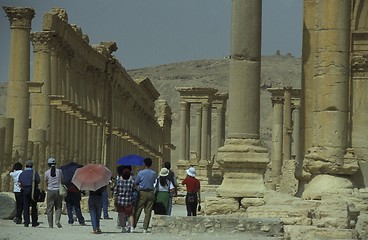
x=276 y=71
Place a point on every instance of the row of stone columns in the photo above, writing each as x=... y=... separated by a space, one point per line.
x=204 y=99
x=82 y=104
x=285 y=130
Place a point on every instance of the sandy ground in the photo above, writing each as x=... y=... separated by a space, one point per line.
x=9 y=231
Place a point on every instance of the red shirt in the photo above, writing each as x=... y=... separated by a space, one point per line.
x=192 y=184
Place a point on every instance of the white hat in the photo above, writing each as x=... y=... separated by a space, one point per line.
x=164 y=172
x=51 y=161
x=191 y=171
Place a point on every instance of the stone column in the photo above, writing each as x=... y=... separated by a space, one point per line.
x=41 y=109
x=8 y=124
x=307 y=84
x=2 y=147
x=209 y=132
x=296 y=133
x=287 y=123
x=205 y=128
x=277 y=140
x=19 y=75
x=220 y=126
x=54 y=92
x=331 y=112
x=183 y=132
x=242 y=158
x=187 y=133
x=198 y=132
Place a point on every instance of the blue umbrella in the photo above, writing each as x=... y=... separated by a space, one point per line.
x=132 y=160
x=68 y=172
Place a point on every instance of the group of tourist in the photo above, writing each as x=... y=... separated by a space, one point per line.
x=146 y=191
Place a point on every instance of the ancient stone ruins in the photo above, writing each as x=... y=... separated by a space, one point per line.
x=311 y=184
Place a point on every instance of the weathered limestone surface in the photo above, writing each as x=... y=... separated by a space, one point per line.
x=217 y=206
x=315 y=233
x=362 y=226
x=7 y=205
x=216 y=224
x=244 y=162
x=325 y=185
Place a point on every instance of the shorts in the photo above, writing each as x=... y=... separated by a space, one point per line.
x=127 y=210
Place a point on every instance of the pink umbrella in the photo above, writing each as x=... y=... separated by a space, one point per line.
x=91 y=177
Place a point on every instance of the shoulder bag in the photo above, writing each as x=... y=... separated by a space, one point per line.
x=38 y=195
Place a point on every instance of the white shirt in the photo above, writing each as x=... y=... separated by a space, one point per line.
x=53 y=182
x=166 y=188
x=15 y=175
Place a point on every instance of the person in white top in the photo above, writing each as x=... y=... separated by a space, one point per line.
x=17 y=170
x=163 y=188
x=53 y=178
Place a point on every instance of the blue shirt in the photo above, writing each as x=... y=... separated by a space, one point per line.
x=145 y=179
x=25 y=178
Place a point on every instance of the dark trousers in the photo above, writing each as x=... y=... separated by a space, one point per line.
x=19 y=204
x=72 y=200
x=105 y=204
x=191 y=207
x=27 y=203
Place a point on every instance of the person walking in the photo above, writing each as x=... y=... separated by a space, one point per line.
x=172 y=178
x=105 y=203
x=145 y=181
x=193 y=196
x=17 y=170
x=53 y=179
x=94 y=206
x=163 y=187
x=72 y=200
x=123 y=199
x=26 y=181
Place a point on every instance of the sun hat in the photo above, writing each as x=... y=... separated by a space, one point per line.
x=51 y=161
x=29 y=163
x=164 y=172
x=191 y=171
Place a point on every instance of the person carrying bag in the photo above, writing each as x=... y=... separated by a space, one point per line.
x=29 y=180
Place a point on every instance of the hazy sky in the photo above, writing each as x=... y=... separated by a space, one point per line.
x=155 y=32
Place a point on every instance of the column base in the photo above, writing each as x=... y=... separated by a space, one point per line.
x=330 y=160
x=244 y=163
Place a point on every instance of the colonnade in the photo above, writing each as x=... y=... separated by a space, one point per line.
x=285 y=130
x=84 y=106
x=204 y=99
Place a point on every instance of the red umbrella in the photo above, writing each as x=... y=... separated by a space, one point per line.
x=91 y=177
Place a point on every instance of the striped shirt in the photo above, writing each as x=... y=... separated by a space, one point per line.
x=124 y=192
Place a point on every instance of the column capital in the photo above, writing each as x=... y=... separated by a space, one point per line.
x=183 y=105
x=288 y=88
x=19 y=17
x=296 y=107
x=277 y=100
x=41 y=41
x=205 y=105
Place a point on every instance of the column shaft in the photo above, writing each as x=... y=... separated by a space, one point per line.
x=19 y=74
x=204 y=138
x=183 y=132
x=277 y=139
x=296 y=134
x=245 y=67
x=198 y=132
x=187 y=135
x=287 y=124
x=220 y=127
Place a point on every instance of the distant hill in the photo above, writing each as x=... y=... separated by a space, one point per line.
x=276 y=71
